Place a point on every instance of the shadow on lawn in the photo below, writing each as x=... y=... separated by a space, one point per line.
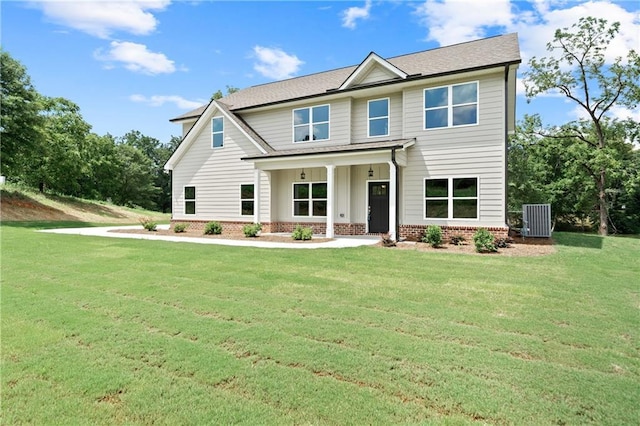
x=591 y=241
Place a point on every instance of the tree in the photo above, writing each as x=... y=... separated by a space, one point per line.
x=581 y=75
x=57 y=163
x=20 y=121
x=559 y=171
x=219 y=95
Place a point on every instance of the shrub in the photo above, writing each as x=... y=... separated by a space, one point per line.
x=387 y=241
x=484 y=241
x=458 y=240
x=213 y=228
x=503 y=242
x=148 y=223
x=251 y=230
x=179 y=227
x=302 y=233
x=433 y=236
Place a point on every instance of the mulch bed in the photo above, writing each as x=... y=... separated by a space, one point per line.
x=223 y=236
x=519 y=246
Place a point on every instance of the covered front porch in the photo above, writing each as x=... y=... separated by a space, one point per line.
x=338 y=190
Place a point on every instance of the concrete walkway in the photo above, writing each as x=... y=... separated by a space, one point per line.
x=339 y=242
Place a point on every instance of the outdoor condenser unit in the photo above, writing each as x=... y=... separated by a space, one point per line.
x=536 y=220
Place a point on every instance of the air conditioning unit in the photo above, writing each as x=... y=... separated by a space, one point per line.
x=536 y=220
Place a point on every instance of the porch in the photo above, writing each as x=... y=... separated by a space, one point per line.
x=337 y=190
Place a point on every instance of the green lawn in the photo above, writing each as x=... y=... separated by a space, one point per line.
x=110 y=331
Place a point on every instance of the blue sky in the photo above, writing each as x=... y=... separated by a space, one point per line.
x=133 y=65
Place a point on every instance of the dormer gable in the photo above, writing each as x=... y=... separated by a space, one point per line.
x=374 y=69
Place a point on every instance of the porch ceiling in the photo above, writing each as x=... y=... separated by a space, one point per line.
x=337 y=155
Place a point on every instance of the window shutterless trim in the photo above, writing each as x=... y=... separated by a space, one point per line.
x=310 y=123
x=244 y=200
x=450 y=198
x=309 y=199
x=450 y=106
x=219 y=132
x=369 y=118
x=190 y=200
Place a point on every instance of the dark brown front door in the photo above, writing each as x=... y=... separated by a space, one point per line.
x=378 y=207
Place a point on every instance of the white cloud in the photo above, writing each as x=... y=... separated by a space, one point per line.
x=102 y=18
x=456 y=21
x=136 y=57
x=535 y=29
x=159 y=100
x=275 y=63
x=352 y=14
x=453 y=21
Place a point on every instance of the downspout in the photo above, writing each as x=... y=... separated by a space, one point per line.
x=397 y=206
x=506 y=144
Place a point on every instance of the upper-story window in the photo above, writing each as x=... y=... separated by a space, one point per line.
x=449 y=106
x=311 y=124
x=378 y=111
x=217 y=132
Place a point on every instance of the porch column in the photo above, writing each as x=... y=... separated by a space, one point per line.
x=256 y=196
x=392 y=200
x=330 y=194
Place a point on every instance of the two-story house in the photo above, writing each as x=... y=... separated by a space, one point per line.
x=390 y=145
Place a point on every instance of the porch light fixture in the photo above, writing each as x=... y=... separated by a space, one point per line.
x=303 y=175
x=370 y=171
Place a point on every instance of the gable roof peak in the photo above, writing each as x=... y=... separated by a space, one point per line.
x=373 y=60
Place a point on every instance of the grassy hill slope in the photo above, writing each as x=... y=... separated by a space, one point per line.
x=20 y=204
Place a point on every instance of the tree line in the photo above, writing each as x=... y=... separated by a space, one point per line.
x=46 y=144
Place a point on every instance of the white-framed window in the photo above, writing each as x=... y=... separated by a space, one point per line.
x=451 y=198
x=217 y=132
x=378 y=116
x=310 y=199
x=311 y=124
x=246 y=200
x=451 y=106
x=189 y=200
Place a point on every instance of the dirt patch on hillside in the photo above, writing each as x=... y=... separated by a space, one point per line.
x=20 y=206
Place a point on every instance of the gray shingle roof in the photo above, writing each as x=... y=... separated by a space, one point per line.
x=492 y=51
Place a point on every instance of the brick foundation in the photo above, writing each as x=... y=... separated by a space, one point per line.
x=228 y=227
x=415 y=232
x=409 y=232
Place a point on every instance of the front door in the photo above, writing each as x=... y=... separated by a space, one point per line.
x=378 y=207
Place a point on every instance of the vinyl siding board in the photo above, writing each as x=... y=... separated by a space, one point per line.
x=217 y=175
x=276 y=125
x=474 y=151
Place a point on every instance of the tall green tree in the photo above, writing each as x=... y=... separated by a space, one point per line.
x=20 y=121
x=578 y=70
x=57 y=164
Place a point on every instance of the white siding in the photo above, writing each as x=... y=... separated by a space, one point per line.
x=217 y=175
x=377 y=74
x=474 y=151
x=276 y=126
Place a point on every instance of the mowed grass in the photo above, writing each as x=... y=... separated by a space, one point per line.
x=110 y=331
